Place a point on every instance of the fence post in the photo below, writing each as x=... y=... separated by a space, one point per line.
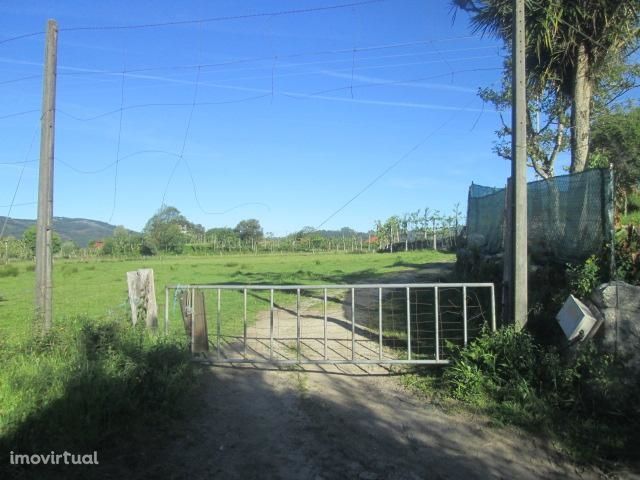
x=507 y=259
x=142 y=297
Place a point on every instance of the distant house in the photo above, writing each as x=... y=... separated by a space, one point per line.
x=98 y=244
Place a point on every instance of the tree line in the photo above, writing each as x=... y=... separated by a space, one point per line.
x=426 y=228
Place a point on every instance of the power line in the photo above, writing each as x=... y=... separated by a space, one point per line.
x=19 y=37
x=269 y=93
x=18 y=205
x=115 y=177
x=222 y=18
x=107 y=167
x=390 y=82
x=17 y=114
x=15 y=192
x=184 y=144
x=380 y=66
x=392 y=166
x=284 y=57
x=20 y=162
x=361 y=59
x=146 y=105
x=15 y=80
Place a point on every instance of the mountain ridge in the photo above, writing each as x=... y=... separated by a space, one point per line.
x=78 y=230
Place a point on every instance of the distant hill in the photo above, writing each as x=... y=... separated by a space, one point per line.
x=79 y=230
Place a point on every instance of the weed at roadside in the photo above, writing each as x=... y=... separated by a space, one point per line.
x=584 y=399
x=82 y=385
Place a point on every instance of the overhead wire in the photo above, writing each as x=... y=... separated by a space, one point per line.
x=21 y=79
x=15 y=192
x=17 y=114
x=182 y=158
x=18 y=205
x=115 y=176
x=188 y=128
x=194 y=103
x=107 y=167
x=268 y=93
x=282 y=57
x=278 y=13
x=20 y=162
x=391 y=167
x=222 y=18
x=157 y=104
x=20 y=37
x=390 y=82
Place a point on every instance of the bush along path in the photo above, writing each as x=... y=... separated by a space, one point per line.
x=583 y=400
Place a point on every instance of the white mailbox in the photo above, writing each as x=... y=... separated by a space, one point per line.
x=575 y=317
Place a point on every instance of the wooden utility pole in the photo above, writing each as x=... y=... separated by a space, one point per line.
x=44 y=225
x=519 y=288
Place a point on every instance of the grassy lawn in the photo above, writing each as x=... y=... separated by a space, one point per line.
x=97 y=288
x=93 y=380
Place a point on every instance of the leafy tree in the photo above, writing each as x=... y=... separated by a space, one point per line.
x=147 y=247
x=424 y=221
x=547 y=124
x=29 y=238
x=67 y=249
x=404 y=229
x=222 y=234
x=615 y=139
x=571 y=49
x=414 y=219
x=11 y=247
x=122 y=242
x=383 y=234
x=164 y=231
x=305 y=232
x=249 y=230
x=347 y=232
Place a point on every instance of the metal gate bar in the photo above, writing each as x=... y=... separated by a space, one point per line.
x=300 y=359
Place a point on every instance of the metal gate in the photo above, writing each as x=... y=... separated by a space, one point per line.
x=413 y=323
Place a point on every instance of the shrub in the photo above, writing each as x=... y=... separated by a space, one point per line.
x=9 y=271
x=497 y=364
x=83 y=385
x=586 y=397
x=627 y=249
x=583 y=278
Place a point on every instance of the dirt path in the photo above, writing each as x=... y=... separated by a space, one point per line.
x=341 y=423
x=335 y=423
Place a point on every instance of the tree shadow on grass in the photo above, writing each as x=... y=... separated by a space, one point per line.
x=428 y=272
x=244 y=425
x=249 y=423
x=95 y=389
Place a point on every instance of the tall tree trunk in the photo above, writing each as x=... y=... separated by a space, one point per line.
x=580 y=112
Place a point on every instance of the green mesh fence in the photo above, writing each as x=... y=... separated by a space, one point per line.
x=569 y=217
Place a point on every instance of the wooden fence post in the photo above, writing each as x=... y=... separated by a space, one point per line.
x=142 y=297
x=192 y=306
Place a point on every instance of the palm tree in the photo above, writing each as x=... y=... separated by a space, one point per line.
x=570 y=46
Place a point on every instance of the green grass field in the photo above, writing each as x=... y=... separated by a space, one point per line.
x=97 y=288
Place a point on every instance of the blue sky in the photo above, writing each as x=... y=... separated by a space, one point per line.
x=294 y=114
